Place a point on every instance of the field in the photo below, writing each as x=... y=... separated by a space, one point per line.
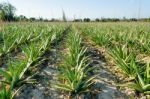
x=75 y=60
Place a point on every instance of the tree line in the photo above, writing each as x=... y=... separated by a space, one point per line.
x=112 y=20
x=7 y=13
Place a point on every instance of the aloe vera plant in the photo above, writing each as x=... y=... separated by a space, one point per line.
x=73 y=73
x=8 y=44
x=34 y=50
x=5 y=93
x=75 y=80
x=75 y=53
x=14 y=76
x=102 y=39
x=142 y=82
x=31 y=51
x=125 y=60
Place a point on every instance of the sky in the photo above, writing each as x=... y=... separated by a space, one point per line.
x=82 y=8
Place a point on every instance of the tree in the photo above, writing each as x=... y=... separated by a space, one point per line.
x=54 y=20
x=1 y=15
x=103 y=19
x=41 y=19
x=97 y=20
x=86 y=19
x=133 y=19
x=32 y=19
x=1 y=12
x=64 y=16
x=22 y=18
x=149 y=19
x=77 y=20
x=115 y=20
x=7 y=11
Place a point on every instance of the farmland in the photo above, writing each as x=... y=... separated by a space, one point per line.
x=62 y=60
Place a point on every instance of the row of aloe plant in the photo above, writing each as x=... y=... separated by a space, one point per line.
x=15 y=75
x=125 y=43
x=73 y=77
x=137 y=71
x=108 y=34
x=11 y=37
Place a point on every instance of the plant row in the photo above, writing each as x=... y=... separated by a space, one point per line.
x=73 y=76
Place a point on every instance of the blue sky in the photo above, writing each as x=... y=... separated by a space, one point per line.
x=82 y=8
